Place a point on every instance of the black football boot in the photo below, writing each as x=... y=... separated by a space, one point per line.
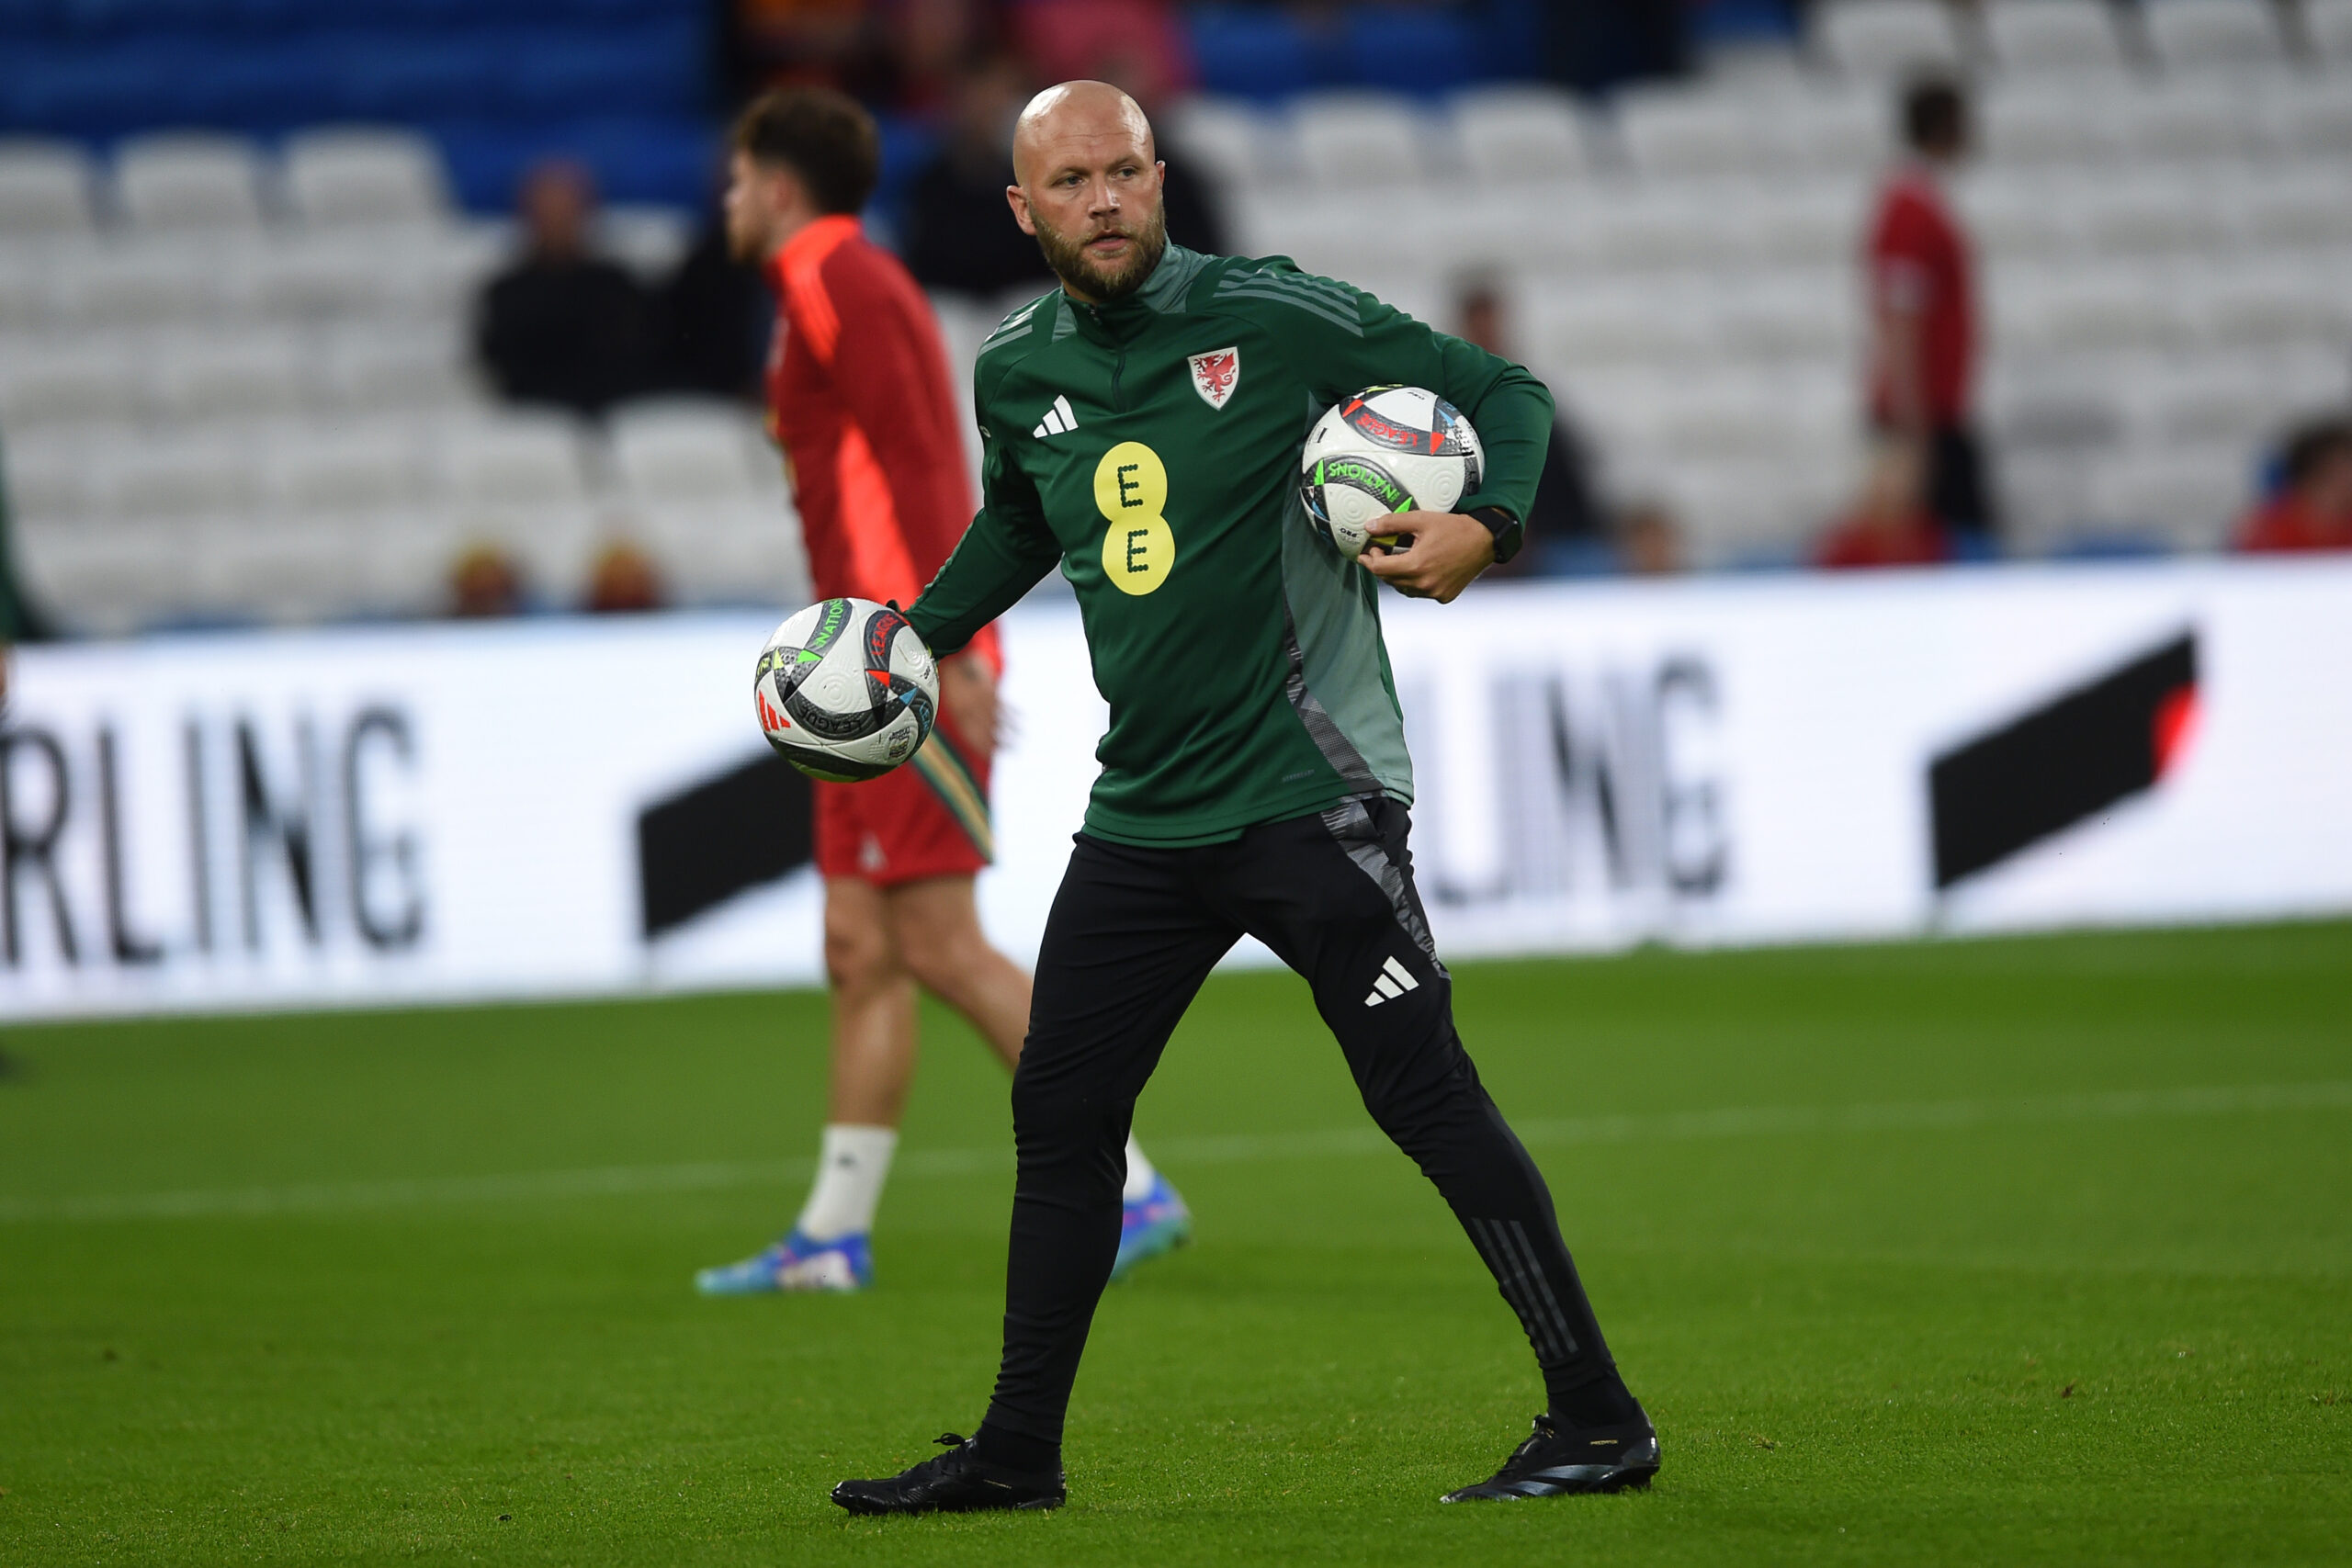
x=1553 y=1463
x=953 y=1482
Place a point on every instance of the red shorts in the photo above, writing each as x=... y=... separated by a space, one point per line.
x=927 y=818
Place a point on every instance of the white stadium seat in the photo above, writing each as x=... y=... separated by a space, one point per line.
x=141 y=284
x=683 y=453
x=44 y=188
x=1888 y=38
x=2280 y=303
x=2328 y=25
x=370 y=370
x=169 y=479
x=2184 y=123
x=357 y=468
x=1513 y=135
x=1682 y=134
x=1839 y=133
x=248 y=375
x=2153 y=215
x=48 y=479
x=2195 y=35
x=323 y=278
x=1232 y=139
x=2296 y=207
x=182 y=180
x=2053 y=38
x=1360 y=139
x=27 y=294
x=365 y=175
x=2043 y=125
x=742 y=552
x=523 y=460
x=77 y=382
x=2310 y=119
x=2190 y=494
x=2111 y=310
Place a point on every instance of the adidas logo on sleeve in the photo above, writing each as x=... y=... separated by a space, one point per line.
x=1393 y=981
x=1058 y=420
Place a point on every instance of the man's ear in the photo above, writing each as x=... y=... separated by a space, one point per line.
x=1020 y=205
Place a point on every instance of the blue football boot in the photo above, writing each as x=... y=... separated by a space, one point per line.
x=1154 y=1224
x=796 y=1263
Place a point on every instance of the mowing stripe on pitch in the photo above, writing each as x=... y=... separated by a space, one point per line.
x=1240 y=1148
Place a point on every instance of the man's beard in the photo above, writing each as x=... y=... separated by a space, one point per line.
x=1073 y=267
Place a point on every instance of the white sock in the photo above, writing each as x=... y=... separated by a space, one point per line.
x=851 y=1169
x=1140 y=1175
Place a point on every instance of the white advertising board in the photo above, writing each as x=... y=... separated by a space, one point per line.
x=579 y=808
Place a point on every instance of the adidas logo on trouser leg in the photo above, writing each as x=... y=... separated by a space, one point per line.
x=1393 y=981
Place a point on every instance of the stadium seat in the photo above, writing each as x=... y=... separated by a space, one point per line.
x=48 y=480
x=1355 y=138
x=1519 y=135
x=2212 y=402
x=1681 y=133
x=1243 y=146
x=2047 y=122
x=1676 y=226
x=2190 y=494
x=380 y=371
x=346 y=175
x=44 y=189
x=188 y=180
x=521 y=458
x=2328 y=25
x=1419 y=49
x=2153 y=214
x=1248 y=51
x=139 y=284
x=79 y=382
x=342 y=468
x=2295 y=208
x=2275 y=303
x=649 y=241
x=1840 y=132
x=1887 y=37
x=1804 y=317
x=248 y=375
x=2064 y=39
x=2183 y=122
x=2114 y=310
x=2208 y=35
x=2023 y=221
x=2310 y=119
x=740 y=552
x=169 y=479
x=1648 y=326
x=682 y=451
x=27 y=294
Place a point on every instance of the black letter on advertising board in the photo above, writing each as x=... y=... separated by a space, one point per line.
x=200 y=838
x=30 y=847
x=129 y=947
x=1693 y=846
x=403 y=929
x=265 y=820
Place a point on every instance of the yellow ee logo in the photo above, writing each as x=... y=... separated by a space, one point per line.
x=1131 y=491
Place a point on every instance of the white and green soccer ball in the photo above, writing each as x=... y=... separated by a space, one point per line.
x=1385 y=449
x=846 y=690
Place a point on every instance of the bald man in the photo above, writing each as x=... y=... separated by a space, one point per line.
x=1142 y=427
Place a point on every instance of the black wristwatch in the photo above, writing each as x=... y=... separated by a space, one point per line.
x=1509 y=531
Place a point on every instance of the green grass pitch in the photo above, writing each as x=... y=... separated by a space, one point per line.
x=2025 y=1251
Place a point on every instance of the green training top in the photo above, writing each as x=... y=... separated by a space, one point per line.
x=1150 y=448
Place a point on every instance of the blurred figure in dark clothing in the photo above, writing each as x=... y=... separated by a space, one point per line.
x=959 y=235
x=716 y=317
x=960 y=232
x=1565 y=510
x=563 y=325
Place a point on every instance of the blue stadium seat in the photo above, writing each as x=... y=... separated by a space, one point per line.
x=30 y=18
x=96 y=94
x=1248 y=52
x=392 y=77
x=1412 y=48
x=267 y=86
x=556 y=72
x=671 y=161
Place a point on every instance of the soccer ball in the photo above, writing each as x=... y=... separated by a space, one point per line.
x=846 y=690
x=1385 y=449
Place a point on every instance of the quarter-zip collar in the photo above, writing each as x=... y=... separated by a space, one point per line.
x=1121 y=322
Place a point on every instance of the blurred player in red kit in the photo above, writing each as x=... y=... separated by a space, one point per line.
x=859 y=399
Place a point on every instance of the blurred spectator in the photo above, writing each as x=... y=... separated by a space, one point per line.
x=1138 y=46
x=1649 y=543
x=485 y=584
x=717 y=315
x=624 y=578
x=1889 y=526
x=1923 y=313
x=563 y=325
x=960 y=232
x=1563 y=510
x=2313 y=510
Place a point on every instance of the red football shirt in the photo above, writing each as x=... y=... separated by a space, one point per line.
x=858 y=398
x=2292 y=523
x=1919 y=267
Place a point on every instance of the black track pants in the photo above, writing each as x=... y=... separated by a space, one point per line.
x=1133 y=933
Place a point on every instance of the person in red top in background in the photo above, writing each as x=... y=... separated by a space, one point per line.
x=859 y=399
x=1923 y=314
x=1889 y=526
x=2313 y=510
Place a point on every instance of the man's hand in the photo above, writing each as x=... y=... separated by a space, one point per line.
x=967 y=696
x=1445 y=554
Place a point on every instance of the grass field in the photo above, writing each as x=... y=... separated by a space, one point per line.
x=2020 y=1251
